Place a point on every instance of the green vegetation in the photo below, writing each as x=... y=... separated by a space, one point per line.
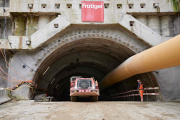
x=20 y=26
x=175 y=4
x=32 y=23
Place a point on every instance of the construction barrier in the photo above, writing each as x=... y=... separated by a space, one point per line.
x=4 y=95
x=122 y=94
x=136 y=95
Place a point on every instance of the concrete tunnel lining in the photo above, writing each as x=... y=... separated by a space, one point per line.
x=91 y=55
x=114 y=33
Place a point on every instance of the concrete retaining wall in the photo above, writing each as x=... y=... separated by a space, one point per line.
x=4 y=96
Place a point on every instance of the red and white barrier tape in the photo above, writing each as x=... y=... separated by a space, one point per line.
x=149 y=88
x=136 y=95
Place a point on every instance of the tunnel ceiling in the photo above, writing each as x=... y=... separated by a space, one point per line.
x=88 y=52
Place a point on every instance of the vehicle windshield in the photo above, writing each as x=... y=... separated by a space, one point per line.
x=84 y=83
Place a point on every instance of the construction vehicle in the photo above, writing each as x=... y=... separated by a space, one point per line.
x=83 y=88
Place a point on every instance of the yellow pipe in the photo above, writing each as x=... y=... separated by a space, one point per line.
x=164 y=55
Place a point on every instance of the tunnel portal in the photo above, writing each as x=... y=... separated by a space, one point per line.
x=94 y=55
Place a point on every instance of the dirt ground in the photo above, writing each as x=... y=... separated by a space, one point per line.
x=30 y=110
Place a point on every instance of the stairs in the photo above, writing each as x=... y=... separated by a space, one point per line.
x=140 y=30
x=48 y=31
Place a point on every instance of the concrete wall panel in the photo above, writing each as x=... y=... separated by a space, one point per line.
x=168 y=80
x=4 y=96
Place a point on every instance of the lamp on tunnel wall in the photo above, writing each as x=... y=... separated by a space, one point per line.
x=57 y=85
x=142 y=5
x=46 y=71
x=57 y=6
x=79 y=6
x=28 y=42
x=131 y=23
x=106 y=5
x=56 y=25
x=69 y=6
x=30 y=6
x=156 y=5
x=119 y=6
x=131 y=6
x=43 y=5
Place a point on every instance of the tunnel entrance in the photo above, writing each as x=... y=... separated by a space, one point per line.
x=88 y=57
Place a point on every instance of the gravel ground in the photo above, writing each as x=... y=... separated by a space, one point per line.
x=30 y=110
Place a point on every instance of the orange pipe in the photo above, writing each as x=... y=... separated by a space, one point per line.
x=164 y=55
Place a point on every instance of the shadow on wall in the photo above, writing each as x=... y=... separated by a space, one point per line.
x=169 y=83
x=3 y=3
x=3 y=33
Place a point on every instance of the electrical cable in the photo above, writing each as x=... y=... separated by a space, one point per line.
x=7 y=79
x=18 y=86
x=9 y=75
x=5 y=34
x=11 y=89
x=13 y=69
x=4 y=54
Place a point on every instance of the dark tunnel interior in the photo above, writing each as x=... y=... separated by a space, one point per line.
x=89 y=58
